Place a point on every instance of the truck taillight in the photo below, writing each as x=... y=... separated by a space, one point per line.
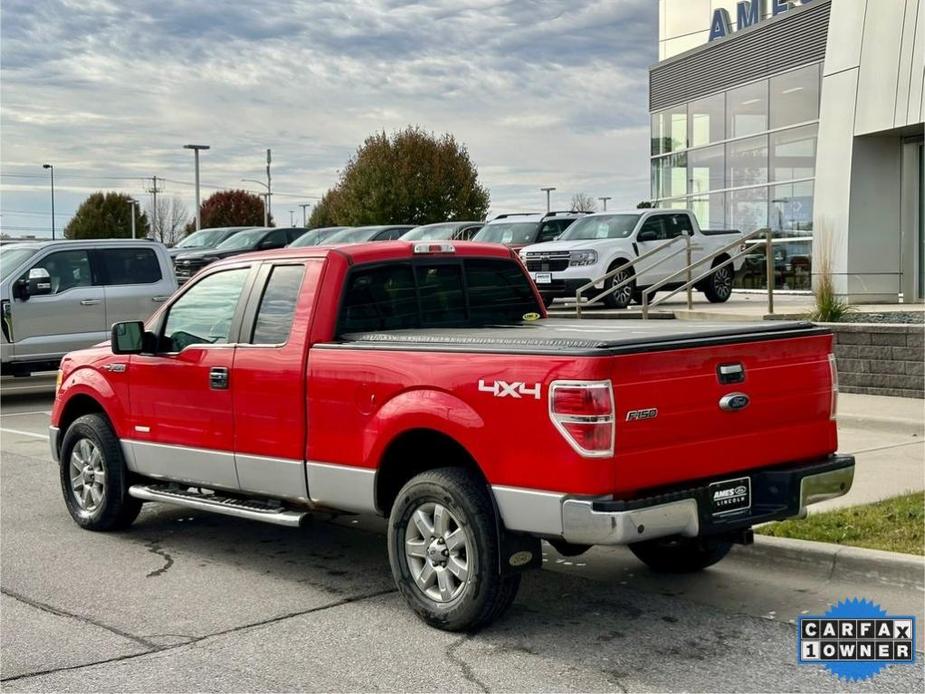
x=833 y=371
x=583 y=412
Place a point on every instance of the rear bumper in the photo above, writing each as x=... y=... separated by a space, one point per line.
x=777 y=493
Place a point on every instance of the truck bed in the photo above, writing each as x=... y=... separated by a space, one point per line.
x=581 y=337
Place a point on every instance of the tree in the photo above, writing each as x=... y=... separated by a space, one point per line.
x=645 y=205
x=106 y=216
x=168 y=220
x=323 y=214
x=230 y=208
x=582 y=202
x=408 y=177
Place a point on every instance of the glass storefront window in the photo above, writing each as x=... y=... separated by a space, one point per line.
x=791 y=209
x=710 y=210
x=706 y=119
x=793 y=153
x=670 y=176
x=747 y=110
x=795 y=97
x=706 y=169
x=747 y=162
x=747 y=210
x=669 y=130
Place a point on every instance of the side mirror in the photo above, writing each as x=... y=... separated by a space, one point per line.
x=130 y=337
x=646 y=235
x=38 y=283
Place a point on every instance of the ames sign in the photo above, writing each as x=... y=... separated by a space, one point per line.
x=748 y=13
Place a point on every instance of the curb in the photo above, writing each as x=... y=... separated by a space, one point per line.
x=841 y=561
x=889 y=425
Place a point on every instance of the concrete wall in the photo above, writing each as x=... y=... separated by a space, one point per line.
x=872 y=94
x=880 y=359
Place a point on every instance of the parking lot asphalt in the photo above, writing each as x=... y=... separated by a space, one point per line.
x=187 y=601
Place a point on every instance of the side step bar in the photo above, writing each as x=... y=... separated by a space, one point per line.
x=251 y=509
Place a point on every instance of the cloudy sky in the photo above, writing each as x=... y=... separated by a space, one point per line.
x=543 y=92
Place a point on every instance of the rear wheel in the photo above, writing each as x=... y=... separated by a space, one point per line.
x=680 y=555
x=443 y=549
x=718 y=286
x=623 y=296
x=94 y=478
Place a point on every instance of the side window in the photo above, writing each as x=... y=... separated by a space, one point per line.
x=656 y=224
x=467 y=233
x=389 y=234
x=203 y=315
x=548 y=231
x=293 y=234
x=381 y=298
x=683 y=224
x=442 y=297
x=277 y=306
x=276 y=239
x=129 y=266
x=67 y=269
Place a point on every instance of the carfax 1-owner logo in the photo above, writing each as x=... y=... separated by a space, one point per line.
x=856 y=639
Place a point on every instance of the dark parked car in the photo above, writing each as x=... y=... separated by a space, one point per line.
x=374 y=233
x=444 y=231
x=256 y=239
x=204 y=239
x=315 y=237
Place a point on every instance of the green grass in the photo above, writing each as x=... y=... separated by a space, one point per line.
x=894 y=525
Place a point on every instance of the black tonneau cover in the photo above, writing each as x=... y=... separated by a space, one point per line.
x=579 y=337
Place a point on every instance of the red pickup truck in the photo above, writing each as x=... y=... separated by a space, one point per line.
x=423 y=382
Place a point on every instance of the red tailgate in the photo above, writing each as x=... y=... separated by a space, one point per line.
x=787 y=418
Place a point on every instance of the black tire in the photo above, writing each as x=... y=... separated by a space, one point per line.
x=718 y=286
x=637 y=296
x=623 y=297
x=485 y=594
x=114 y=509
x=680 y=555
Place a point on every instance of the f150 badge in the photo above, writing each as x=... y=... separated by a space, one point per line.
x=516 y=389
x=639 y=415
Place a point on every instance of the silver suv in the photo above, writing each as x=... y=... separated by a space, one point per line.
x=58 y=296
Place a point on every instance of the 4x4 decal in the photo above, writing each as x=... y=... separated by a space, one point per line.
x=516 y=389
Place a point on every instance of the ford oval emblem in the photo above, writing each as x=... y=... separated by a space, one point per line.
x=734 y=402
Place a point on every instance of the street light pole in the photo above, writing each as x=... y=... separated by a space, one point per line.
x=304 y=206
x=291 y=218
x=51 y=169
x=548 y=190
x=196 y=149
x=604 y=200
x=133 y=203
x=269 y=189
x=266 y=199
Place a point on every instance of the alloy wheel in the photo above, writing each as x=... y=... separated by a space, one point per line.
x=437 y=549
x=88 y=476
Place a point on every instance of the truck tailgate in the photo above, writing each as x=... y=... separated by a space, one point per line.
x=672 y=426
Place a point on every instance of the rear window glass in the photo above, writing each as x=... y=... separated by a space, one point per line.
x=436 y=294
x=130 y=265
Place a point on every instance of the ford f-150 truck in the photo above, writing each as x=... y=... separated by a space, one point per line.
x=599 y=243
x=421 y=381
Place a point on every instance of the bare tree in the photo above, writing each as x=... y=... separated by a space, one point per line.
x=168 y=220
x=582 y=202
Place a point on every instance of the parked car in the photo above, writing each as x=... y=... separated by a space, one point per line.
x=369 y=233
x=444 y=231
x=204 y=239
x=255 y=239
x=420 y=381
x=523 y=229
x=601 y=242
x=58 y=296
x=315 y=237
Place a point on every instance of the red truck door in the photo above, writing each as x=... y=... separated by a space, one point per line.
x=268 y=379
x=182 y=423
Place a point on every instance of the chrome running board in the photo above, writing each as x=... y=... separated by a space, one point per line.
x=251 y=509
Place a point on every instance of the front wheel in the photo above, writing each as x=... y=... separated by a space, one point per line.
x=94 y=478
x=718 y=287
x=623 y=296
x=680 y=555
x=443 y=550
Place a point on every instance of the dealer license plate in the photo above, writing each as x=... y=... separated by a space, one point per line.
x=543 y=278
x=730 y=496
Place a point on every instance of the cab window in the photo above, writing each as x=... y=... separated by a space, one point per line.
x=129 y=265
x=656 y=224
x=67 y=270
x=203 y=315
x=277 y=305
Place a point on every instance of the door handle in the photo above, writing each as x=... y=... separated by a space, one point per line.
x=89 y=302
x=159 y=299
x=218 y=378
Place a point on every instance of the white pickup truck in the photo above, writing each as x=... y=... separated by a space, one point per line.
x=598 y=243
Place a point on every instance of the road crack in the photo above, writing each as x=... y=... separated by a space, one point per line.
x=154 y=546
x=464 y=667
x=154 y=648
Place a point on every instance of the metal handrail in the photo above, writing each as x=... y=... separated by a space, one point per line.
x=632 y=263
x=650 y=291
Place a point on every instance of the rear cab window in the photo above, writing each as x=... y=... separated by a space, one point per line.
x=129 y=265
x=436 y=293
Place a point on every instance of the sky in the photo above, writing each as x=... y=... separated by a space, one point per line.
x=541 y=92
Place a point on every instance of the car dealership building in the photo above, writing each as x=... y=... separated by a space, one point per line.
x=805 y=118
